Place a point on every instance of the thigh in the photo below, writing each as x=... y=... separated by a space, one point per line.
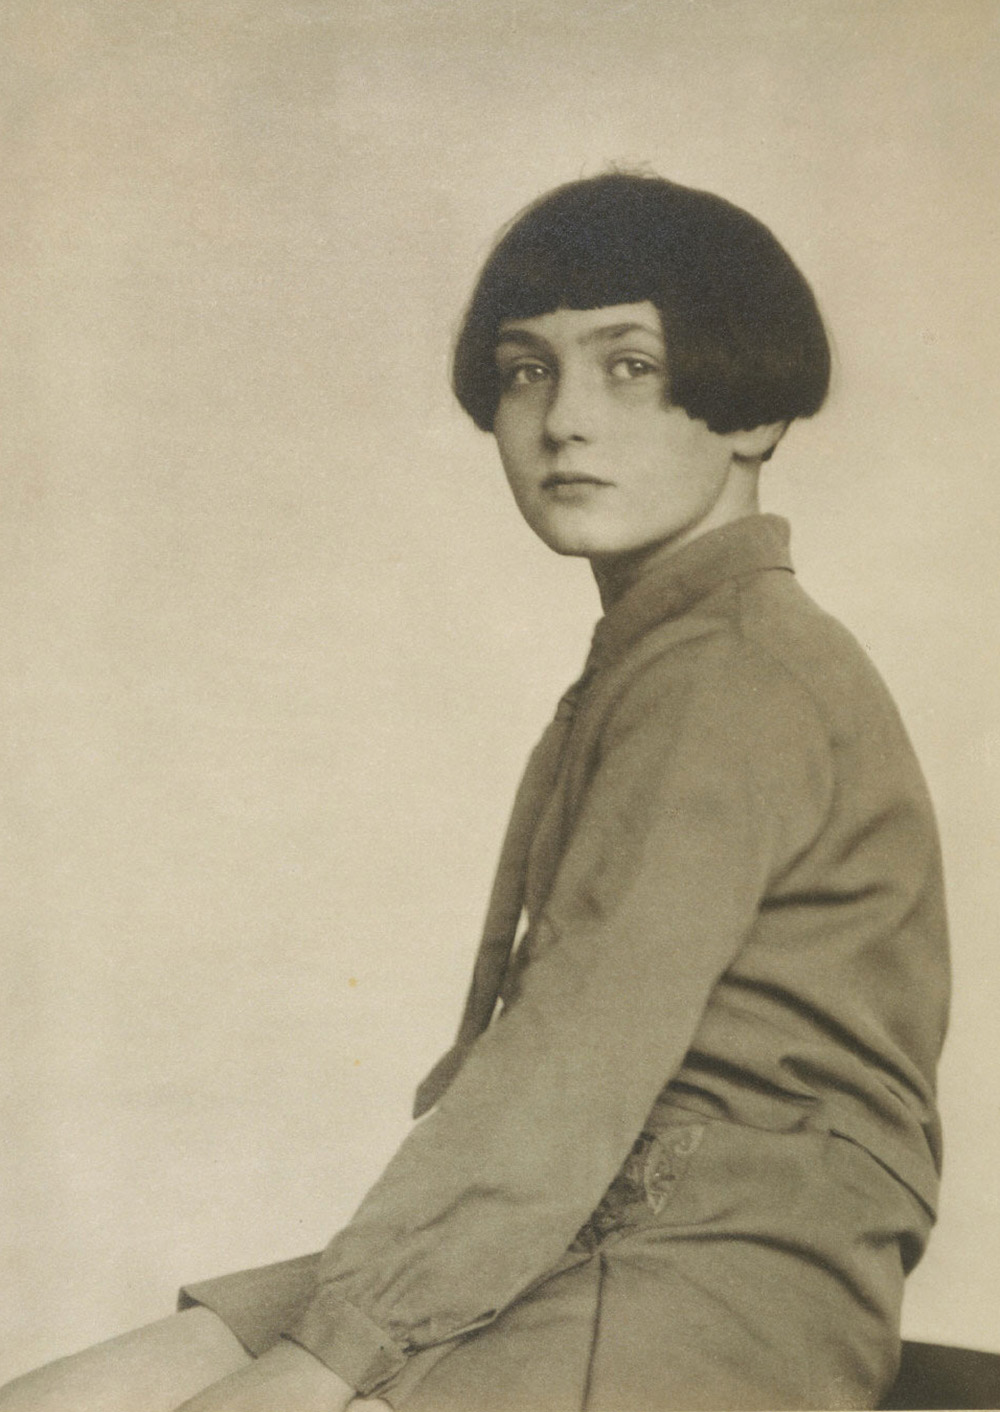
x=732 y=1324
x=154 y=1369
x=762 y=1271
x=653 y=1325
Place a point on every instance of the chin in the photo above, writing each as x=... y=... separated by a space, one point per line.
x=572 y=551
x=596 y=546
x=571 y=546
x=571 y=541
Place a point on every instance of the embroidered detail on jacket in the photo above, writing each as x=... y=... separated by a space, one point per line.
x=647 y=1180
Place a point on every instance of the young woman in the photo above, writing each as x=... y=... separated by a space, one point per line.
x=689 y=1162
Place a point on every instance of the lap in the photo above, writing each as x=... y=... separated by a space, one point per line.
x=711 y=1287
x=682 y=1325
x=766 y=1273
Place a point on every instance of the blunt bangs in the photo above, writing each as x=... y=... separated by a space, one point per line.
x=745 y=340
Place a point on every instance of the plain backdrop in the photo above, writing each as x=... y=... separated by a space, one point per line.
x=273 y=643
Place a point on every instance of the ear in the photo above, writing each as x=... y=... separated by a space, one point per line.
x=758 y=443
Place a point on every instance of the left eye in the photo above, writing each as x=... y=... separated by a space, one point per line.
x=625 y=369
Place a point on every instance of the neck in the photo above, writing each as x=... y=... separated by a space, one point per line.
x=617 y=573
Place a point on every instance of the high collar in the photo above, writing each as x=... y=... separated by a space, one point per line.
x=741 y=547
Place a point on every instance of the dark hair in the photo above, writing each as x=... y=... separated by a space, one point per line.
x=745 y=340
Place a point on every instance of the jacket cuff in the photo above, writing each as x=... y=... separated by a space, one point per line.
x=347 y=1341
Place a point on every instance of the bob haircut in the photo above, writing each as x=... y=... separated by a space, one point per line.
x=745 y=340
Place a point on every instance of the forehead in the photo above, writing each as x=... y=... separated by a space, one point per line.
x=584 y=326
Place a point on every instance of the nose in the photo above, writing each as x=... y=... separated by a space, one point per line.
x=572 y=408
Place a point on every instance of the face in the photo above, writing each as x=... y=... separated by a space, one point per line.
x=599 y=463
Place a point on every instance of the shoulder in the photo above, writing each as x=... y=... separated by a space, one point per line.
x=758 y=646
x=707 y=709
x=778 y=619
x=713 y=672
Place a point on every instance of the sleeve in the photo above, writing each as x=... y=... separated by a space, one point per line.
x=709 y=779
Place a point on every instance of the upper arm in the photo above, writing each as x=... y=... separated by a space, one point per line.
x=711 y=770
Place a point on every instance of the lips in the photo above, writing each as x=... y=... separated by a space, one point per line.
x=559 y=478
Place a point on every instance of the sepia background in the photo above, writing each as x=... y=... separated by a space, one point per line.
x=273 y=643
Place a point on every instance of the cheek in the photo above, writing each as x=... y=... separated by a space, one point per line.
x=518 y=482
x=509 y=460
x=516 y=420
x=516 y=448
x=692 y=457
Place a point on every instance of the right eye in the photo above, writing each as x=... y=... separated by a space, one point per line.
x=523 y=374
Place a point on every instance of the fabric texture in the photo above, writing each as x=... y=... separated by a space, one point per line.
x=729 y=868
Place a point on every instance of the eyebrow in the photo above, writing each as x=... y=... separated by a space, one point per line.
x=606 y=334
